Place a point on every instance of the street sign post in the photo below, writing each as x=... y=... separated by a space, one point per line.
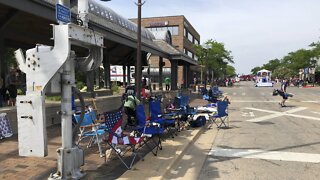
x=63 y=14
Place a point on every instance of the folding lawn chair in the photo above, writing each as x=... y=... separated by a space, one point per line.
x=149 y=129
x=167 y=121
x=118 y=141
x=222 y=115
x=89 y=129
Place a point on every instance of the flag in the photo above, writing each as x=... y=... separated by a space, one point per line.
x=5 y=127
x=113 y=122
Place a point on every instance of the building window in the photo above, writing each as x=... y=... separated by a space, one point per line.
x=174 y=30
x=185 y=32
x=185 y=51
x=196 y=41
x=190 y=54
x=195 y=57
x=190 y=37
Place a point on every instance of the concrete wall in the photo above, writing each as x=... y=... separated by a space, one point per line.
x=106 y=103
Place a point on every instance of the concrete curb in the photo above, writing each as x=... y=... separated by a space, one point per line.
x=155 y=167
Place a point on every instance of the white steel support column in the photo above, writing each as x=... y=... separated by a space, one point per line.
x=66 y=109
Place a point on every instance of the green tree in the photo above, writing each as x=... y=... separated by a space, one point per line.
x=256 y=69
x=230 y=71
x=214 y=56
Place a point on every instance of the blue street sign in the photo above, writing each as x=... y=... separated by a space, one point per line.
x=63 y=13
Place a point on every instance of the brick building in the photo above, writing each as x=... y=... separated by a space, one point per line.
x=183 y=35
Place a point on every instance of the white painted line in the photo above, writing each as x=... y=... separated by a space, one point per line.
x=305 y=117
x=295 y=110
x=262 y=110
x=263 y=118
x=267 y=155
x=234 y=93
x=315 y=112
x=253 y=101
x=278 y=114
x=311 y=101
x=243 y=94
x=251 y=114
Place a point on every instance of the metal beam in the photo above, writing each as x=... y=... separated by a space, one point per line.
x=36 y=7
x=160 y=73
x=11 y=15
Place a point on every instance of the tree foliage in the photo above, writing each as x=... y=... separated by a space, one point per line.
x=290 y=64
x=214 y=56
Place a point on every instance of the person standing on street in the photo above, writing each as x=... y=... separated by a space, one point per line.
x=283 y=92
x=167 y=82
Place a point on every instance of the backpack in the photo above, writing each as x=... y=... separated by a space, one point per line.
x=198 y=122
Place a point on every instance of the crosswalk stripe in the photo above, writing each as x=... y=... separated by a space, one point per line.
x=266 y=155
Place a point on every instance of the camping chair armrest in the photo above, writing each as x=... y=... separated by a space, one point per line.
x=91 y=125
x=148 y=124
x=100 y=121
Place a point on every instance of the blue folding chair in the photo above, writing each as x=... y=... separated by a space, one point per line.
x=169 y=121
x=222 y=115
x=149 y=129
x=89 y=129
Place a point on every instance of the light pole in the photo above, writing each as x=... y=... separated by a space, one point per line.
x=139 y=64
x=205 y=50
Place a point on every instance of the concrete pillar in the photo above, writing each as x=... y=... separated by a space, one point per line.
x=174 y=74
x=107 y=75
x=97 y=77
x=160 y=73
x=3 y=64
x=188 y=76
x=184 y=75
x=128 y=74
x=90 y=80
x=124 y=75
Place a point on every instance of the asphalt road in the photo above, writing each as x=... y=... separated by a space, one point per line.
x=267 y=141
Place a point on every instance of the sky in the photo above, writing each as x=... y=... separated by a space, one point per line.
x=256 y=31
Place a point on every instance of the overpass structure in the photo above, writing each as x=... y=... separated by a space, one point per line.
x=26 y=23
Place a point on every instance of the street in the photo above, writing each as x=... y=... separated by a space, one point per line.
x=267 y=141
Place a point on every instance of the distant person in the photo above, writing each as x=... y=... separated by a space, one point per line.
x=130 y=104
x=11 y=85
x=283 y=92
x=167 y=82
x=2 y=91
x=144 y=82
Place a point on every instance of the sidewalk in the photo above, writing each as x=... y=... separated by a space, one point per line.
x=13 y=166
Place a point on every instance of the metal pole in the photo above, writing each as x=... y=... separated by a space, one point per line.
x=160 y=73
x=66 y=109
x=206 y=74
x=139 y=64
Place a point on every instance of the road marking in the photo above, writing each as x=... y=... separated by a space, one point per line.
x=262 y=110
x=245 y=114
x=253 y=101
x=243 y=94
x=315 y=112
x=267 y=155
x=311 y=101
x=278 y=114
x=234 y=93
